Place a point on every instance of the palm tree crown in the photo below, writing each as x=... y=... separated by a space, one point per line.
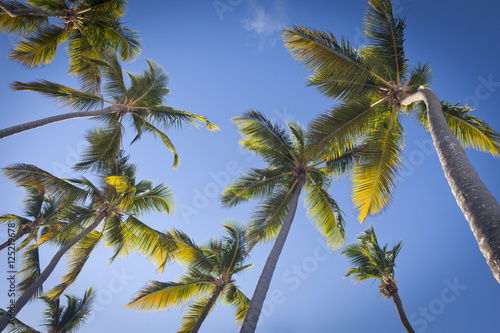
x=371 y=83
x=140 y=105
x=210 y=270
x=90 y=27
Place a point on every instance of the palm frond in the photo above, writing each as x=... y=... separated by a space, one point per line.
x=150 y=88
x=234 y=297
x=119 y=236
x=374 y=176
x=337 y=63
x=254 y=184
x=324 y=211
x=76 y=312
x=104 y=146
x=385 y=35
x=193 y=313
x=470 y=131
x=157 y=295
x=39 y=47
x=259 y=135
x=22 y=24
x=420 y=77
x=29 y=270
x=57 y=188
x=77 y=258
x=67 y=97
x=160 y=199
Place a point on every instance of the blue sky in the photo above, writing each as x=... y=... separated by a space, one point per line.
x=225 y=57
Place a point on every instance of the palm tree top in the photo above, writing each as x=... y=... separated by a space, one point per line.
x=290 y=158
x=370 y=83
x=370 y=260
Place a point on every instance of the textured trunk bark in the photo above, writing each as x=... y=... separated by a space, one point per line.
x=259 y=295
x=478 y=205
x=26 y=296
x=16 y=237
x=54 y=119
x=29 y=11
x=207 y=308
x=401 y=312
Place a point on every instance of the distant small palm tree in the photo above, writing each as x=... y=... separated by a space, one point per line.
x=140 y=105
x=59 y=318
x=114 y=204
x=90 y=27
x=210 y=271
x=371 y=261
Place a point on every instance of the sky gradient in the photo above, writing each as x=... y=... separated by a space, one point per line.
x=225 y=57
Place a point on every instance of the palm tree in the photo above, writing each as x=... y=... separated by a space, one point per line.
x=292 y=164
x=371 y=261
x=114 y=205
x=90 y=28
x=59 y=318
x=141 y=103
x=376 y=86
x=210 y=272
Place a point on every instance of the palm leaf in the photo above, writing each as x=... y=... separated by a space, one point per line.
x=193 y=313
x=76 y=312
x=374 y=176
x=385 y=35
x=40 y=47
x=159 y=198
x=234 y=297
x=157 y=295
x=77 y=258
x=30 y=270
x=22 y=24
x=119 y=236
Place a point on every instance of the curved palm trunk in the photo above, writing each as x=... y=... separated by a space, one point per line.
x=401 y=312
x=16 y=237
x=207 y=308
x=26 y=296
x=259 y=295
x=30 y=11
x=54 y=119
x=478 y=205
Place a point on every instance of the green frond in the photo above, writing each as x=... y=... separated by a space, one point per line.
x=20 y=25
x=155 y=295
x=39 y=47
x=111 y=69
x=470 y=131
x=150 y=88
x=49 y=5
x=57 y=188
x=104 y=146
x=123 y=40
x=234 y=297
x=254 y=184
x=337 y=68
x=119 y=237
x=342 y=164
x=17 y=326
x=193 y=313
x=29 y=270
x=67 y=97
x=260 y=136
x=77 y=257
x=160 y=199
x=339 y=129
x=148 y=241
x=385 y=35
x=324 y=211
x=267 y=220
x=374 y=176
x=420 y=77
x=81 y=54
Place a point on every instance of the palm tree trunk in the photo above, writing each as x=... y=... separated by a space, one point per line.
x=478 y=205
x=26 y=296
x=29 y=11
x=54 y=119
x=207 y=308
x=401 y=312
x=16 y=237
x=259 y=295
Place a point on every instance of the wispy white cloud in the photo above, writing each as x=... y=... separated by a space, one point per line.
x=266 y=24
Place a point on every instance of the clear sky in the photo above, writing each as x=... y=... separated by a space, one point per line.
x=222 y=62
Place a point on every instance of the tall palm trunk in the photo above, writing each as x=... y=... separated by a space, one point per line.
x=401 y=312
x=259 y=295
x=54 y=119
x=207 y=308
x=26 y=296
x=18 y=235
x=478 y=205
